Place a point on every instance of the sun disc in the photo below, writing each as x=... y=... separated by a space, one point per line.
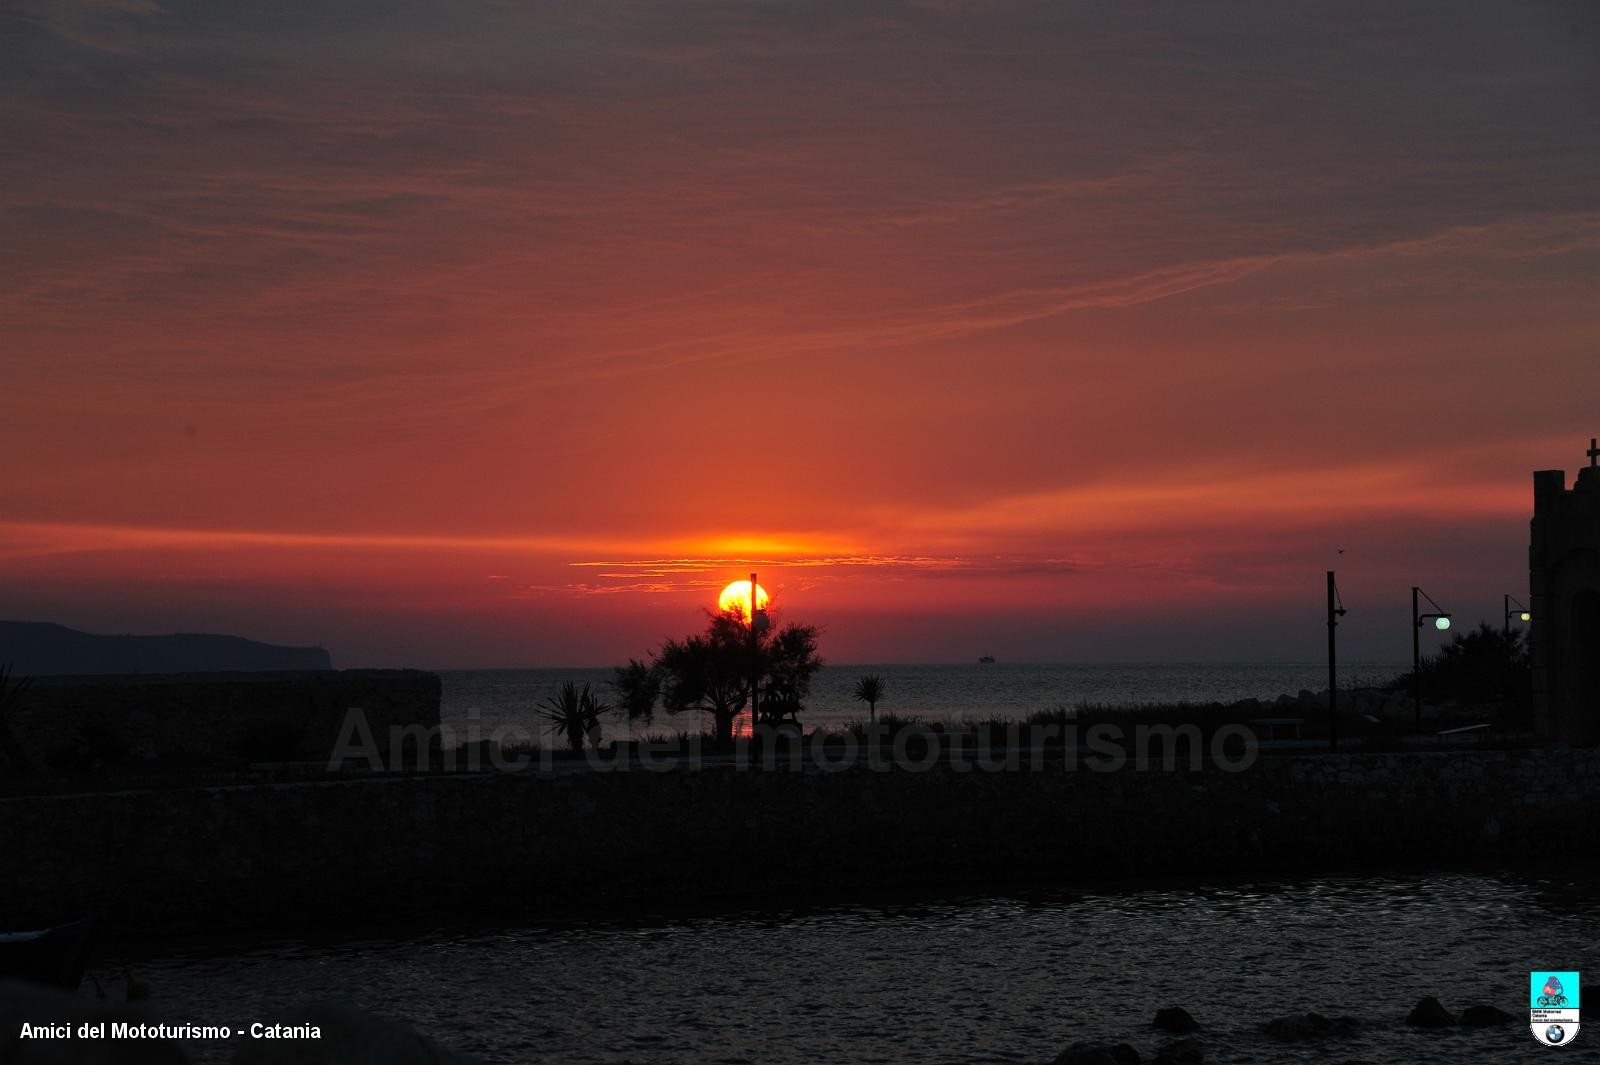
x=735 y=599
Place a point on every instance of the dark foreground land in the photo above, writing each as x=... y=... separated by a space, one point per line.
x=527 y=846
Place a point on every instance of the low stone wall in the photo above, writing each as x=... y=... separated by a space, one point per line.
x=519 y=847
x=211 y=718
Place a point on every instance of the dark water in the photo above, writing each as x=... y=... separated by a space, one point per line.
x=934 y=692
x=979 y=980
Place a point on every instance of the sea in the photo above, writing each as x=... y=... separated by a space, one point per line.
x=962 y=980
x=488 y=699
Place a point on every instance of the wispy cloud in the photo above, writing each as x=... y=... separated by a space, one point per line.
x=20 y=540
x=114 y=27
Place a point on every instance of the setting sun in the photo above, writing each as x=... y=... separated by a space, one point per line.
x=736 y=598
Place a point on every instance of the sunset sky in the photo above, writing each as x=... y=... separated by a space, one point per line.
x=469 y=333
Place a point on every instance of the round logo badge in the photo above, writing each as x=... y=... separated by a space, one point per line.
x=1553 y=1007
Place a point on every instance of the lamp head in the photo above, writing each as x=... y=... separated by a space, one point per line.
x=1442 y=622
x=1525 y=616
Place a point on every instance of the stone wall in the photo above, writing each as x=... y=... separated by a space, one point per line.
x=520 y=847
x=151 y=720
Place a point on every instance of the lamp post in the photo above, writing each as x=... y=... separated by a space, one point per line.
x=1520 y=614
x=759 y=622
x=1335 y=612
x=1441 y=621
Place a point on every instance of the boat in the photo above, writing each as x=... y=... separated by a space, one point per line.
x=986 y=660
x=55 y=957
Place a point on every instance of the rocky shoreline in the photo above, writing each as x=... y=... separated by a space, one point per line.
x=1182 y=1038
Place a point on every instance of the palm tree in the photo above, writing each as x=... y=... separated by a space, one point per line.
x=869 y=689
x=576 y=712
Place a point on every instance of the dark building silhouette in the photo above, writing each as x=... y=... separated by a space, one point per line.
x=1564 y=581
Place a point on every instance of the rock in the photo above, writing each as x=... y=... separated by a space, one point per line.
x=1287 y=1029
x=1098 y=1054
x=1296 y=1029
x=1086 y=1054
x=1484 y=1017
x=1175 y=1019
x=348 y=1036
x=137 y=990
x=32 y=1004
x=1428 y=1013
x=1182 y=1052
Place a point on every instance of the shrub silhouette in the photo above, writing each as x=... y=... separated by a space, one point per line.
x=1486 y=665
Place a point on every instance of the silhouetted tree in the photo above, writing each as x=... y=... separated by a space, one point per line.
x=576 y=712
x=709 y=672
x=639 y=686
x=789 y=660
x=713 y=671
x=11 y=691
x=869 y=690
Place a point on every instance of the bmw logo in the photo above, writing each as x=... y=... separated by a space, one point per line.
x=1555 y=1033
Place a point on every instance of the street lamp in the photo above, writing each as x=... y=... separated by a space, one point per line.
x=1441 y=621
x=1520 y=614
x=759 y=624
x=1335 y=612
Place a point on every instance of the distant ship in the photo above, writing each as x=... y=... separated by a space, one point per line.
x=986 y=660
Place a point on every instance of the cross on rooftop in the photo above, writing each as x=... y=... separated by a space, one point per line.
x=1594 y=451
